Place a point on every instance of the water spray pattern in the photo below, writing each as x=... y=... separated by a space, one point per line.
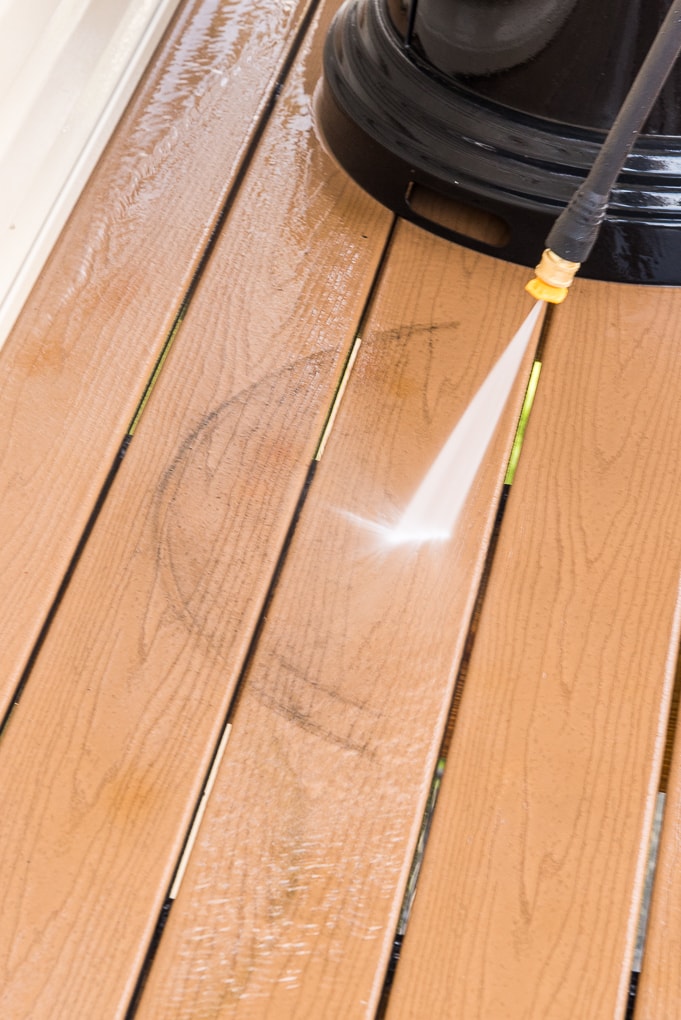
x=434 y=510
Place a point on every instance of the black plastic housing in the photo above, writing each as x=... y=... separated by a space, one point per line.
x=497 y=142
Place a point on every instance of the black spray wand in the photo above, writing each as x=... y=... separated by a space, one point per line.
x=574 y=233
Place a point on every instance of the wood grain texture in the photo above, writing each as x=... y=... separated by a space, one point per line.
x=103 y=760
x=659 y=990
x=291 y=897
x=77 y=361
x=528 y=900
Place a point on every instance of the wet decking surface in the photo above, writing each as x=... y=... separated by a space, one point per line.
x=225 y=700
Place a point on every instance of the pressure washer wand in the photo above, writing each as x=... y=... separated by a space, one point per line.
x=574 y=233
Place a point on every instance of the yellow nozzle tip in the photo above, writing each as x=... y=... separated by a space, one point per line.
x=554 y=274
x=545 y=291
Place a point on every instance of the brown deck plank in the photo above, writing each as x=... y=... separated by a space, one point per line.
x=77 y=361
x=659 y=990
x=291 y=896
x=103 y=759
x=528 y=900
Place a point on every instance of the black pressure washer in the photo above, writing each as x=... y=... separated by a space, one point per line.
x=562 y=118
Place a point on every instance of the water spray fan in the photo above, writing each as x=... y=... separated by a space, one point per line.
x=561 y=119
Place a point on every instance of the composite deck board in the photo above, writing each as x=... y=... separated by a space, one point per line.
x=528 y=900
x=291 y=896
x=77 y=361
x=659 y=990
x=103 y=759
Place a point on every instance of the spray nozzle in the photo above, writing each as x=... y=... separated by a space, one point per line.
x=553 y=277
x=569 y=243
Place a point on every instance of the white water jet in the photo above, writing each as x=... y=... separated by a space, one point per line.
x=439 y=499
x=435 y=507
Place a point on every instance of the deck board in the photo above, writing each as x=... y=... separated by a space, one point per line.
x=659 y=990
x=102 y=769
x=291 y=897
x=529 y=895
x=76 y=364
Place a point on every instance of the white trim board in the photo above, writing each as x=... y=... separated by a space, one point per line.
x=67 y=71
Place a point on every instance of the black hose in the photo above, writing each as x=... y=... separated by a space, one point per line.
x=575 y=231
